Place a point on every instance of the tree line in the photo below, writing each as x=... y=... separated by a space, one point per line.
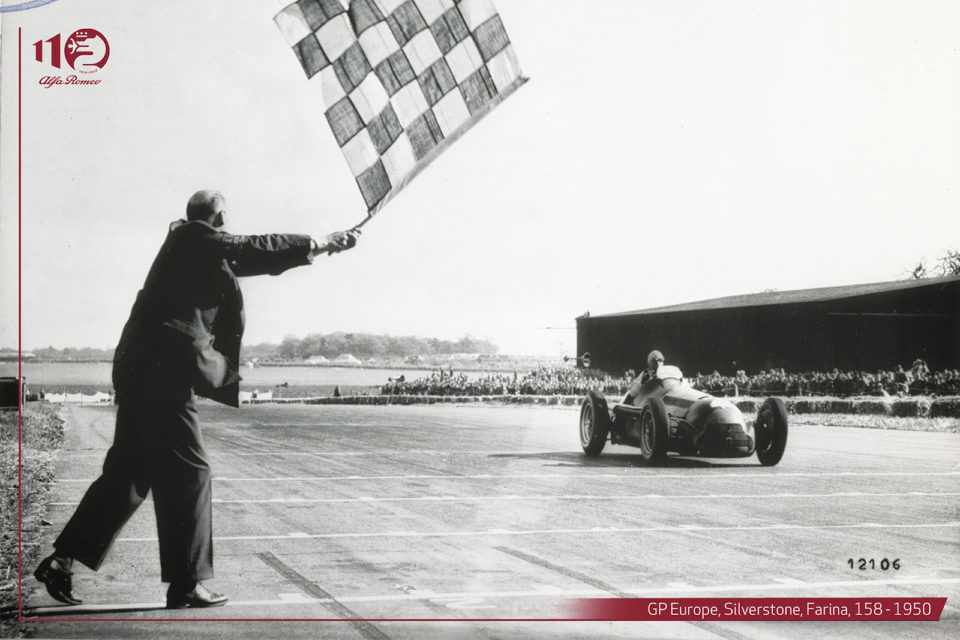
x=71 y=354
x=365 y=345
x=361 y=345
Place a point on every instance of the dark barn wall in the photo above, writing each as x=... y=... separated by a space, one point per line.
x=867 y=332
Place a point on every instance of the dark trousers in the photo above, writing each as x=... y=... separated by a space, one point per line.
x=157 y=446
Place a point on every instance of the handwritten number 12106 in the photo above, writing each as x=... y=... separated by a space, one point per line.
x=863 y=564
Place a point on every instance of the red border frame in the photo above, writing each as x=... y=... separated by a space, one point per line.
x=19 y=324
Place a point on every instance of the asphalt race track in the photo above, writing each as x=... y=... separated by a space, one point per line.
x=470 y=514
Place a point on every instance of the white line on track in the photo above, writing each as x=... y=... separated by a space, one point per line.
x=634 y=474
x=99 y=453
x=593 y=530
x=632 y=496
x=544 y=592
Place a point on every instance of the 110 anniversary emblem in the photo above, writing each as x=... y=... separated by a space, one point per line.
x=86 y=51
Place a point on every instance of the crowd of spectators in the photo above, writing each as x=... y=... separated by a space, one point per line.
x=917 y=380
x=542 y=381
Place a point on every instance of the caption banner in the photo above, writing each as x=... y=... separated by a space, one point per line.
x=785 y=609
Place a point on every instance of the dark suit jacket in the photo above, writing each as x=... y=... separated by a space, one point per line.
x=187 y=322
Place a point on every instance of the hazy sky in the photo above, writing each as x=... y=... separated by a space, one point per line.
x=662 y=152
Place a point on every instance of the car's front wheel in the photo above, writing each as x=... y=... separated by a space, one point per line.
x=594 y=423
x=770 y=429
x=653 y=429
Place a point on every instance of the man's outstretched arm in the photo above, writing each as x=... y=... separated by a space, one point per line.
x=272 y=254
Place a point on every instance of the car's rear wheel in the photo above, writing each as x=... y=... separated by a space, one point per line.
x=653 y=429
x=770 y=430
x=594 y=423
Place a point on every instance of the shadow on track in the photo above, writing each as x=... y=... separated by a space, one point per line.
x=620 y=460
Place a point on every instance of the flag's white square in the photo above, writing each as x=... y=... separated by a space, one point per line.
x=378 y=43
x=369 y=98
x=293 y=25
x=388 y=6
x=476 y=12
x=464 y=59
x=422 y=51
x=336 y=36
x=360 y=152
x=504 y=68
x=433 y=9
x=409 y=103
x=398 y=160
x=451 y=112
x=330 y=86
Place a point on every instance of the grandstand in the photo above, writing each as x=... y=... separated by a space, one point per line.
x=856 y=327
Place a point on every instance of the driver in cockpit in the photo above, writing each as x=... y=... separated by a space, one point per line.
x=654 y=362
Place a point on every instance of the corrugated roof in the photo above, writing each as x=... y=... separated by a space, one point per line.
x=790 y=297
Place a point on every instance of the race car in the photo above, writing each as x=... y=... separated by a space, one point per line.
x=666 y=415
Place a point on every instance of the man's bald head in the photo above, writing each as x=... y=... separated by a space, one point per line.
x=206 y=205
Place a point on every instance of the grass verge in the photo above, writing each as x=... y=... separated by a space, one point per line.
x=942 y=425
x=42 y=436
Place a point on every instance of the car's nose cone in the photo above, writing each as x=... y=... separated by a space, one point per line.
x=726 y=430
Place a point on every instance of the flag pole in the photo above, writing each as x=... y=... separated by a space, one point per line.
x=354 y=228
x=363 y=222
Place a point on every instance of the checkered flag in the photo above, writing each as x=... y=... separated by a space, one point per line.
x=401 y=79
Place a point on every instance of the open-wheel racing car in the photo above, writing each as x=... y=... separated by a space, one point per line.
x=667 y=415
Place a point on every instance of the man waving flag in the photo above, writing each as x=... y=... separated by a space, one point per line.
x=401 y=79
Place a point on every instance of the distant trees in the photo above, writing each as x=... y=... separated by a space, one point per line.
x=366 y=345
x=84 y=354
x=947 y=265
x=361 y=345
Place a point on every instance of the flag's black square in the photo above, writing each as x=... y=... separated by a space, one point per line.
x=424 y=134
x=491 y=38
x=449 y=29
x=478 y=89
x=352 y=67
x=344 y=121
x=395 y=72
x=405 y=22
x=384 y=129
x=437 y=81
x=310 y=55
x=374 y=184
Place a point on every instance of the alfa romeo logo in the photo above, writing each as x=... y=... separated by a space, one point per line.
x=86 y=50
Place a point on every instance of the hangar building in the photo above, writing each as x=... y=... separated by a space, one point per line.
x=866 y=327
